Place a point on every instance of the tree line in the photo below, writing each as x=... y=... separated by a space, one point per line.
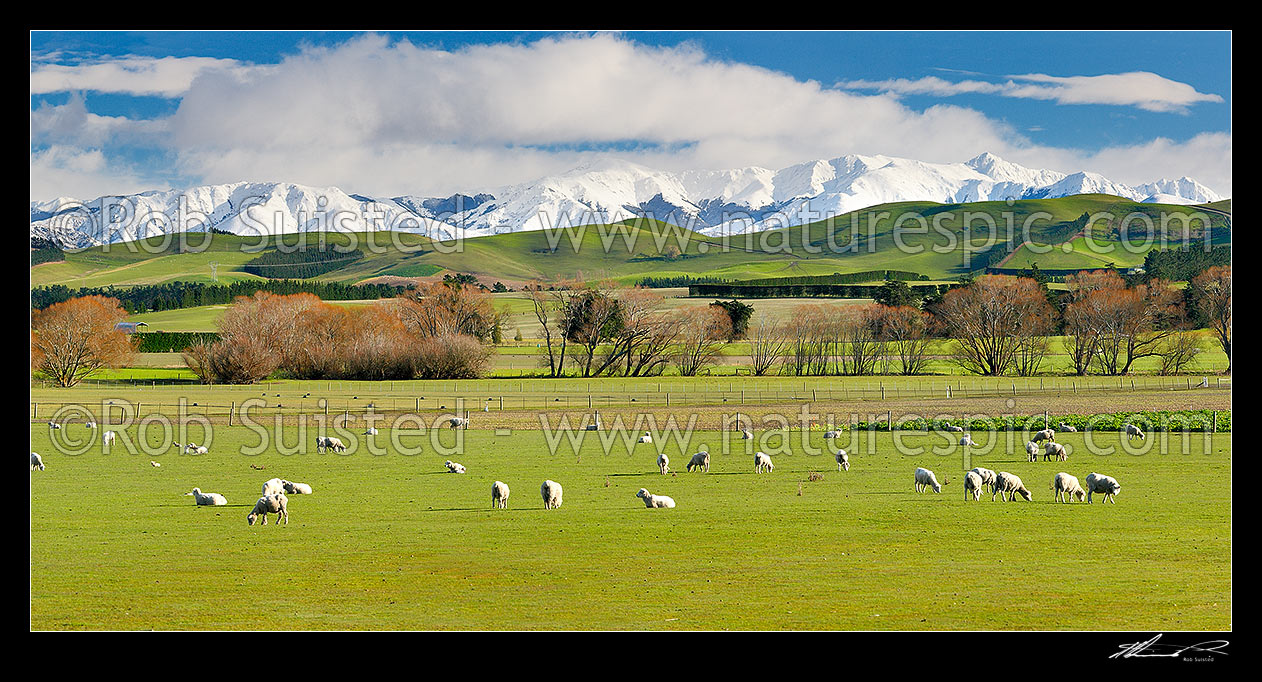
x=174 y=295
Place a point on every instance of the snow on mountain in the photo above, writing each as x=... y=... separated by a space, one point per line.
x=605 y=191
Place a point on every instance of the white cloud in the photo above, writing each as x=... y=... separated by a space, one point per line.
x=1140 y=89
x=61 y=171
x=131 y=74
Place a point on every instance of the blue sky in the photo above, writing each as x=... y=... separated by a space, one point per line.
x=118 y=111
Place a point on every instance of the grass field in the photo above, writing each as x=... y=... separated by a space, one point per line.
x=389 y=541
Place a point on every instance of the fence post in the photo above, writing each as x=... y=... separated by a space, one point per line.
x=1215 y=427
x=232 y=412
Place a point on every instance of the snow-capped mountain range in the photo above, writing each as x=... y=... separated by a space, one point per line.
x=711 y=202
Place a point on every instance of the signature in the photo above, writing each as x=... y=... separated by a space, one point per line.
x=1152 y=649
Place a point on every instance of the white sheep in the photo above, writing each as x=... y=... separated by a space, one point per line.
x=746 y=435
x=454 y=467
x=37 y=462
x=952 y=429
x=655 y=501
x=54 y=425
x=973 y=486
x=1032 y=449
x=1068 y=428
x=1133 y=431
x=1045 y=434
x=274 y=486
x=663 y=464
x=551 y=492
x=1102 y=485
x=193 y=448
x=926 y=479
x=499 y=494
x=967 y=441
x=1067 y=488
x=90 y=424
x=987 y=476
x=762 y=463
x=832 y=434
x=154 y=464
x=108 y=438
x=646 y=438
x=324 y=443
x=1051 y=448
x=270 y=504
x=1011 y=485
x=292 y=488
x=371 y=431
x=700 y=462
x=843 y=461
x=458 y=423
x=207 y=499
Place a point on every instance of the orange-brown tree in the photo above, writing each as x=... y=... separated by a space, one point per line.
x=73 y=339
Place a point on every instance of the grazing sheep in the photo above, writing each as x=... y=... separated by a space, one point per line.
x=90 y=425
x=551 y=492
x=1103 y=485
x=762 y=463
x=292 y=488
x=325 y=443
x=967 y=441
x=663 y=464
x=832 y=434
x=207 y=499
x=154 y=464
x=973 y=486
x=371 y=431
x=1045 y=434
x=273 y=486
x=926 y=479
x=454 y=467
x=700 y=462
x=37 y=462
x=1067 y=487
x=1068 y=428
x=655 y=501
x=191 y=448
x=1010 y=484
x=646 y=438
x=1133 y=431
x=987 y=476
x=843 y=461
x=499 y=494
x=1051 y=448
x=458 y=423
x=746 y=435
x=108 y=438
x=1032 y=449
x=270 y=504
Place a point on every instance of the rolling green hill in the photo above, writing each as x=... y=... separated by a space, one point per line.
x=931 y=241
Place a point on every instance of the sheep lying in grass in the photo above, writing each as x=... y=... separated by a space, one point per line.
x=454 y=467
x=1133 y=431
x=154 y=464
x=926 y=479
x=292 y=488
x=108 y=438
x=270 y=504
x=54 y=425
x=1032 y=449
x=762 y=463
x=1053 y=449
x=499 y=495
x=973 y=486
x=1067 y=428
x=746 y=435
x=832 y=434
x=551 y=492
x=700 y=462
x=1067 y=487
x=189 y=449
x=1011 y=485
x=370 y=431
x=663 y=464
x=273 y=486
x=987 y=476
x=90 y=424
x=207 y=499
x=646 y=438
x=946 y=426
x=1102 y=485
x=655 y=501
x=37 y=462
x=1045 y=434
x=843 y=461
x=967 y=441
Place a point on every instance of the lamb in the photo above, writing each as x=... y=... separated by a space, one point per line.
x=987 y=476
x=1133 y=431
x=973 y=486
x=655 y=501
x=207 y=499
x=108 y=438
x=762 y=463
x=273 y=486
x=926 y=479
x=843 y=462
x=1102 y=485
x=37 y=462
x=663 y=464
x=193 y=448
x=1032 y=449
x=292 y=488
x=458 y=423
x=454 y=467
x=832 y=434
x=499 y=494
x=154 y=464
x=1045 y=434
x=967 y=441
x=90 y=424
x=371 y=431
x=1052 y=448
x=746 y=435
x=1067 y=487
x=700 y=462
x=54 y=425
x=1010 y=484
x=1067 y=428
x=270 y=504
x=946 y=426
x=325 y=443
x=646 y=438
x=551 y=492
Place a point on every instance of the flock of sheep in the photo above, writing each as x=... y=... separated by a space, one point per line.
x=275 y=500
